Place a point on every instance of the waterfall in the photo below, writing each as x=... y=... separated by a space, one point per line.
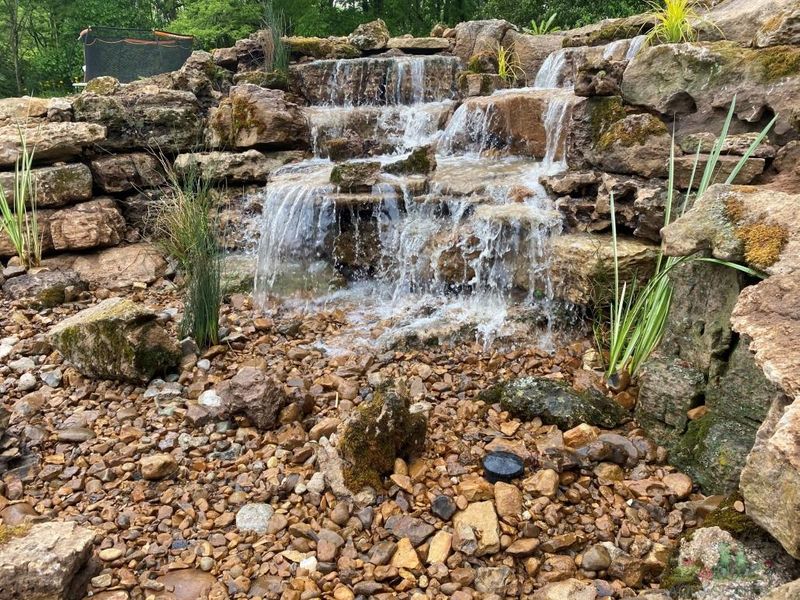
x=464 y=246
x=553 y=73
x=636 y=44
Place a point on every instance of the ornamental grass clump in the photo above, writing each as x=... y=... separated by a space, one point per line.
x=186 y=226
x=674 y=22
x=638 y=314
x=508 y=66
x=18 y=213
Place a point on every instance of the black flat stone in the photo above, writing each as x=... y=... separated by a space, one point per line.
x=502 y=466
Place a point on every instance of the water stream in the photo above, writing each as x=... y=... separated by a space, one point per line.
x=409 y=255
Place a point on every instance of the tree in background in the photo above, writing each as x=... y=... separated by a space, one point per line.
x=40 y=52
x=570 y=13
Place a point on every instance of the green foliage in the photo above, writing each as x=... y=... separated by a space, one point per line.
x=544 y=26
x=186 y=226
x=18 y=214
x=571 y=13
x=674 y=22
x=40 y=53
x=638 y=316
x=508 y=66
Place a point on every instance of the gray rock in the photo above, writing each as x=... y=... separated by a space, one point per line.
x=45 y=289
x=254 y=517
x=557 y=404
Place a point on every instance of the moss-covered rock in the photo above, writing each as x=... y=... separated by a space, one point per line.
x=381 y=430
x=558 y=404
x=356 y=176
x=116 y=339
x=701 y=78
x=103 y=86
x=274 y=80
x=321 y=48
x=421 y=161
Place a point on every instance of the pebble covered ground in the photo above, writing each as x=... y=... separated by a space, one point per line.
x=185 y=505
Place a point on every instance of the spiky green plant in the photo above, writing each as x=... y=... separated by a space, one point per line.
x=544 y=26
x=18 y=215
x=638 y=315
x=509 y=67
x=674 y=22
x=186 y=226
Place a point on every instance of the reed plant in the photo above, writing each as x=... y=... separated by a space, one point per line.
x=18 y=214
x=186 y=226
x=638 y=314
x=276 y=54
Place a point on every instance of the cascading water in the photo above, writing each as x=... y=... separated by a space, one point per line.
x=463 y=247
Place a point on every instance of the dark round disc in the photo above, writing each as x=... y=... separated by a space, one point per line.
x=502 y=466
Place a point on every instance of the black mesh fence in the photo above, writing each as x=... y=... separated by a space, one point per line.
x=129 y=54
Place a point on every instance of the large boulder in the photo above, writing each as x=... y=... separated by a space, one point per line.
x=250 y=166
x=475 y=38
x=252 y=393
x=531 y=50
x=116 y=339
x=143 y=116
x=370 y=36
x=608 y=30
x=418 y=45
x=768 y=315
x=743 y=224
x=602 y=134
x=700 y=361
x=321 y=48
x=52 y=141
x=56 y=185
x=50 y=561
x=21 y=111
x=758 y=23
x=637 y=144
x=116 y=173
x=115 y=268
x=512 y=122
x=701 y=79
x=582 y=264
x=380 y=430
x=44 y=289
x=94 y=224
x=555 y=403
x=254 y=116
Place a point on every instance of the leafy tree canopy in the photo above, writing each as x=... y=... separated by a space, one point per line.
x=40 y=52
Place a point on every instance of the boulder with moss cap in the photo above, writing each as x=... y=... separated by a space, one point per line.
x=116 y=339
x=381 y=429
